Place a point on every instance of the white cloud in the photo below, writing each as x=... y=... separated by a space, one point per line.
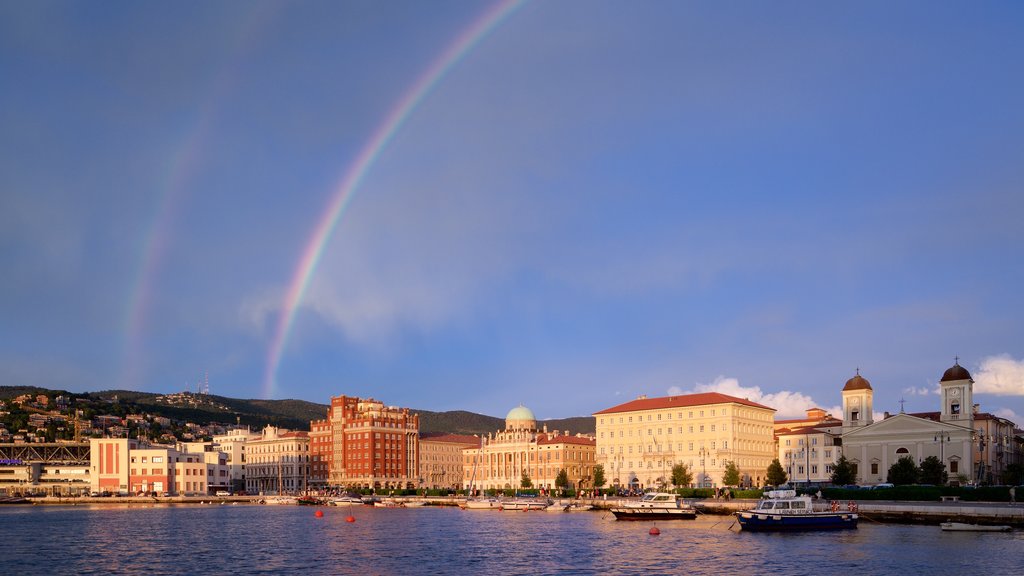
x=1009 y=415
x=919 y=391
x=1000 y=375
x=788 y=404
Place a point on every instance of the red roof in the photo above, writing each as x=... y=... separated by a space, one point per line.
x=544 y=439
x=452 y=438
x=684 y=401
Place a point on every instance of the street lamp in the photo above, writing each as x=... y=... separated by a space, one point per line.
x=942 y=438
x=704 y=471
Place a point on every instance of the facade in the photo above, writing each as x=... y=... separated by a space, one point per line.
x=640 y=441
x=51 y=469
x=505 y=456
x=809 y=447
x=441 y=459
x=372 y=445
x=233 y=445
x=278 y=462
x=320 y=453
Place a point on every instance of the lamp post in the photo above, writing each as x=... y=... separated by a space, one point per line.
x=942 y=438
x=703 y=467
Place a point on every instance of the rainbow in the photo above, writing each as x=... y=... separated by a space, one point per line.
x=358 y=169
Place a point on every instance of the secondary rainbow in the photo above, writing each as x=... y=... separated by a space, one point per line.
x=358 y=169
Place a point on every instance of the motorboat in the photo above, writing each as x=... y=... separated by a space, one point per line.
x=481 y=504
x=784 y=510
x=964 y=527
x=655 y=506
x=388 y=503
x=345 y=500
x=524 y=504
x=281 y=500
x=578 y=507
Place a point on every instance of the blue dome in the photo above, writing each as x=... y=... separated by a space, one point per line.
x=520 y=413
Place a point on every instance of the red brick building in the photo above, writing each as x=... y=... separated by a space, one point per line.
x=372 y=445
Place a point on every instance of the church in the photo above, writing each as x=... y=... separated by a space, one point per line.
x=949 y=434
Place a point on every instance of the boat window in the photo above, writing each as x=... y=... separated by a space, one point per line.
x=781 y=505
x=768 y=505
x=798 y=505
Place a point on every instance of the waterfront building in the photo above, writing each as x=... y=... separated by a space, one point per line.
x=278 y=462
x=521 y=448
x=441 y=459
x=218 y=472
x=640 y=441
x=320 y=453
x=52 y=469
x=372 y=445
x=127 y=466
x=809 y=447
x=233 y=445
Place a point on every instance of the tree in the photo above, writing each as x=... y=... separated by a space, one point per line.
x=904 y=471
x=776 y=475
x=731 y=477
x=525 y=481
x=681 y=475
x=562 y=479
x=842 y=472
x=599 y=480
x=933 y=471
x=1013 y=474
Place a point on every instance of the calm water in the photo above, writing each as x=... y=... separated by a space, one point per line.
x=248 y=539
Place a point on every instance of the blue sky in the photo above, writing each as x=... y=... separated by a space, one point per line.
x=598 y=200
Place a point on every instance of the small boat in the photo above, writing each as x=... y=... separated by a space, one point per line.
x=655 y=506
x=308 y=501
x=345 y=500
x=964 y=527
x=481 y=504
x=784 y=510
x=414 y=503
x=281 y=500
x=557 y=506
x=578 y=507
x=524 y=504
x=388 y=503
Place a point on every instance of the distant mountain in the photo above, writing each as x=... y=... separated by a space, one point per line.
x=293 y=414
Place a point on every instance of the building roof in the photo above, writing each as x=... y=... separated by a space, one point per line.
x=466 y=439
x=683 y=401
x=543 y=439
x=955 y=372
x=520 y=413
x=858 y=382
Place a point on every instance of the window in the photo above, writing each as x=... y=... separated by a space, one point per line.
x=712 y=427
x=855 y=415
x=874 y=467
x=954 y=466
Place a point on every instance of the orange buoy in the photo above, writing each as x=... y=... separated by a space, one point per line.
x=350 y=518
x=654 y=531
x=319 y=513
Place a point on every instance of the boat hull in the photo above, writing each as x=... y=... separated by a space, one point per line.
x=961 y=527
x=767 y=522
x=654 y=514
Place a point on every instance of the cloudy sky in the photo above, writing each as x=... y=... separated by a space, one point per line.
x=471 y=205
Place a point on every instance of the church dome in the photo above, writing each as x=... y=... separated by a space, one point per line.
x=957 y=372
x=520 y=417
x=858 y=382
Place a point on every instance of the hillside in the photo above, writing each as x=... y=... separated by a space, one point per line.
x=294 y=414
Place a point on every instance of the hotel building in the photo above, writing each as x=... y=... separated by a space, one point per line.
x=278 y=462
x=441 y=459
x=372 y=445
x=521 y=448
x=640 y=441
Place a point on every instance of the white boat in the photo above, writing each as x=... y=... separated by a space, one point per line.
x=388 y=503
x=655 y=506
x=558 y=506
x=481 y=504
x=281 y=500
x=524 y=504
x=345 y=500
x=578 y=507
x=964 y=527
x=784 y=510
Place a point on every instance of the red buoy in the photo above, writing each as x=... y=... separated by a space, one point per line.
x=654 y=531
x=319 y=513
x=350 y=519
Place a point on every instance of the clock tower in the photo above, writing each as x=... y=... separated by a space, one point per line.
x=857 y=403
x=957 y=390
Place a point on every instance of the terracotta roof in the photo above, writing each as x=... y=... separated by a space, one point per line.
x=452 y=438
x=858 y=382
x=544 y=439
x=956 y=372
x=683 y=401
x=816 y=429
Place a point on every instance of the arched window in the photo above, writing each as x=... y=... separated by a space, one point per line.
x=903 y=451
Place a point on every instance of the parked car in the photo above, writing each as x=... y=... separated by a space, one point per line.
x=223 y=493
x=882 y=485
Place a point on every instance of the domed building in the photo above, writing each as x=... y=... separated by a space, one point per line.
x=948 y=434
x=523 y=452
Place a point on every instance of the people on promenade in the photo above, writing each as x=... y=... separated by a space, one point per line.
x=1013 y=494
